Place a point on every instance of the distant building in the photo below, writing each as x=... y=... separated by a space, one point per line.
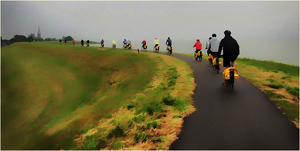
x=39 y=33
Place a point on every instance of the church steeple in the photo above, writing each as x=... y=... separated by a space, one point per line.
x=39 y=33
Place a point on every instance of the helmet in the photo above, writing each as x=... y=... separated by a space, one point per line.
x=198 y=39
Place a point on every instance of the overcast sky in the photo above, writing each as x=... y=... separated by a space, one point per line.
x=137 y=20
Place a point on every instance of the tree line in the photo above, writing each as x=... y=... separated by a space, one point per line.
x=30 y=38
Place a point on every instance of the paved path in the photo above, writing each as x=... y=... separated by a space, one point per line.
x=242 y=119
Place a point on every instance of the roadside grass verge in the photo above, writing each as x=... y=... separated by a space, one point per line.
x=153 y=119
x=279 y=81
x=51 y=93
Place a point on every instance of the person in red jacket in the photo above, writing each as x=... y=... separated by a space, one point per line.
x=144 y=43
x=198 y=46
x=73 y=42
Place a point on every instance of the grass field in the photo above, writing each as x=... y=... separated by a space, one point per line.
x=279 y=81
x=53 y=94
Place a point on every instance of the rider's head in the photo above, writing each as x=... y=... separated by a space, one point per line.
x=168 y=37
x=209 y=37
x=198 y=39
x=227 y=32
x=155 y=38
x=214 y=35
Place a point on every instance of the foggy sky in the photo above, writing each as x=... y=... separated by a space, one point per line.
x=253 y=21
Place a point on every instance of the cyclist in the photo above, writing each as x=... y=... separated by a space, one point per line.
x=125 y=42
x=128 y=42
x=144 y=43
x=65 y=41
x=198 y=46
x=156 y=42
x=102 y=42
x=73 y=42
x=169 y=42
x=207 y=46
x=60 y=41
x=114 y=42
x=231 y=50
x=82 y=42
x=213 y=46
x=88 y=43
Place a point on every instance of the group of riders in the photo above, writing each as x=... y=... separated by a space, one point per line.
x=127 y=43
x=214 y=47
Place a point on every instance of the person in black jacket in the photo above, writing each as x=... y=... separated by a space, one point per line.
x=169 y=42
x=65 y=41
x=88 y=43
x=231 y=50
x=60 y=41
x=82 y=42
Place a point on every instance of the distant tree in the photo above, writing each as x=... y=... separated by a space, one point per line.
x=30 y=39
x=20 y=38
x=31 y=35
x=48 y=39
x=39 y=39
x=53 y=39
x=68 y=38
x=63 y=38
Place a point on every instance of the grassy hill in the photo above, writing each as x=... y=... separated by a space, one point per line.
x=52 y=95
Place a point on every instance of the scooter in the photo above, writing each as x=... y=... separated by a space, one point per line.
x=114 y=46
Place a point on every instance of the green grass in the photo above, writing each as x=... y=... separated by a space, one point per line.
x=291 y=110
x=50 y=86
x=275 y=85
x=293 y=90
x=273 y=95
x=292 y=70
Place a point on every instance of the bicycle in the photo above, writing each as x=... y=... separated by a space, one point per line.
x=102 y=45
x=229 y=75
x=129 y=46
x=144 y=48
x=210 y=59
x=216 y=64
x=124 y=46
x=157 y=49
x=198 y=55
x=169 y=49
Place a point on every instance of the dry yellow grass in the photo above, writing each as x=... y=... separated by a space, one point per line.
x=262 y=78
x=169 y=126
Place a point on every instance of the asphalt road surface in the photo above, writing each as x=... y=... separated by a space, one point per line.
x=242 y=119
